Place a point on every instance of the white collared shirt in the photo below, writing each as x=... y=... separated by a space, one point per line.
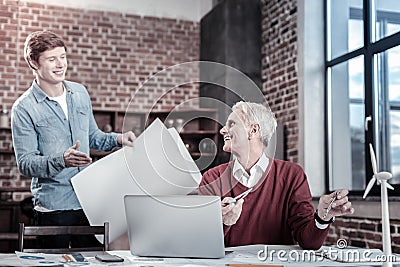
x=256 y=172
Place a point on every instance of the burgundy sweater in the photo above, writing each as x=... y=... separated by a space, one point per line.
x=277 y=212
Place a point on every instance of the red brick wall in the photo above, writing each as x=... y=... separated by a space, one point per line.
x=363 y=232
x=111 y=53
x=279 y=67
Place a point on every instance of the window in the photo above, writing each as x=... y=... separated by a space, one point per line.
x=363 y=91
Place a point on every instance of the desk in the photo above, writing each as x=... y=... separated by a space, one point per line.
x=277 y=255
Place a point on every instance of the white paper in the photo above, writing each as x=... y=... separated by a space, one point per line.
x=158 y=163
x=35 y=259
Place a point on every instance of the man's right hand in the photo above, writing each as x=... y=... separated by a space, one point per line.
x=75 y=158
x=231 y=212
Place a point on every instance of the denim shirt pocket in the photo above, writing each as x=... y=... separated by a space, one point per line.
x=83 y=118
x=47 y=130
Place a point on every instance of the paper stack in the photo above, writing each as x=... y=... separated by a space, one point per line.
x=158 y=164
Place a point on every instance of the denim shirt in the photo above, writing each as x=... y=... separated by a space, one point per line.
x=41 y=134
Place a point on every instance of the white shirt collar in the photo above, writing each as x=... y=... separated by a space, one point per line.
x=256 y=171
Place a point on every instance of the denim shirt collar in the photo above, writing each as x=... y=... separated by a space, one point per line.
x=40 y=95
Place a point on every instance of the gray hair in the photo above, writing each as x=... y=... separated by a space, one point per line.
x=255 y=113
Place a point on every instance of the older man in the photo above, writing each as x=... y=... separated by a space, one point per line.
x=278 y=209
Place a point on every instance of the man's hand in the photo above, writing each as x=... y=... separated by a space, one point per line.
x=340 y=206
x=126 y=139
x=75 y=158
x=231 y=212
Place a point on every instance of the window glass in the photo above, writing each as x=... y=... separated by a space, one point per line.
x=345 y=30
x=387 y=20
x=393 y=28
x=394 y=74
x=347 y=99
x=347 y=139
x=388 y=70
x=356 y=34
x=395 y=145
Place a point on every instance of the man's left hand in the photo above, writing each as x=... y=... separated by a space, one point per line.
x=126 y=139
x=340 y=206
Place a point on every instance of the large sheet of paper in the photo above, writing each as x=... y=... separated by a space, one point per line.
x=158 y=164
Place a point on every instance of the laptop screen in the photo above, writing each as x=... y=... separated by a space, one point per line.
x=175 y=226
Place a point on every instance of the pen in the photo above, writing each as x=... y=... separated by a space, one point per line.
x=242 y=195
x=67 y=258
x=330 y=206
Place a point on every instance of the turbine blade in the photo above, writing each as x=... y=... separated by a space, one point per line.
x=373 y=159
x=369 y=186
x=389 y=186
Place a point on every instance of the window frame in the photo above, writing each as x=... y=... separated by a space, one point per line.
x=369 y=50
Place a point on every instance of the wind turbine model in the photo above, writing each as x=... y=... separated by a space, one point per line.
x=381 y=178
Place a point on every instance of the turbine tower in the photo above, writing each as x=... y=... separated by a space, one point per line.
x=382 y=178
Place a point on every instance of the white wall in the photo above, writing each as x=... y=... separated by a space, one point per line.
x=177 y=9
x=311 y=92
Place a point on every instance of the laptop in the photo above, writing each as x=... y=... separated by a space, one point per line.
x=187 y=226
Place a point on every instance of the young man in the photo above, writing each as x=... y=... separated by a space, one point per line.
x=53 y=129
x=278 y=210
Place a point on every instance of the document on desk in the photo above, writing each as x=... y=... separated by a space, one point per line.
x=37 y=259
x=158 y=164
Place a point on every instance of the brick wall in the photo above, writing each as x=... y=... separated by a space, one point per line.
x=111 y=53
x=363 y=232
x=280 y=86
x=279 y=67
